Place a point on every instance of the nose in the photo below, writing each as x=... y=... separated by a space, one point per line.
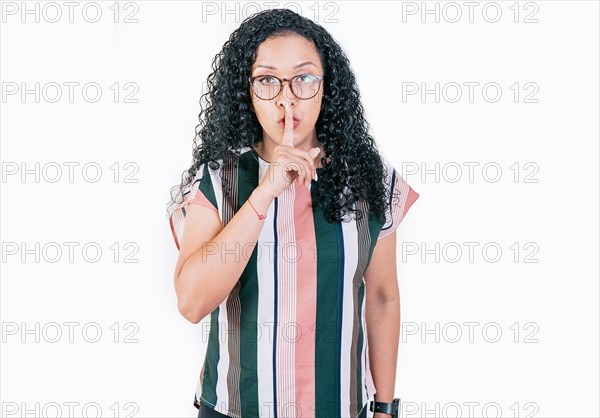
x=285 y=95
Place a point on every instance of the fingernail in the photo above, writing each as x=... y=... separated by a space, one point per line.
x=316 y=176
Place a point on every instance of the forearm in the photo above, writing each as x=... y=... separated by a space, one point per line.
x=383 y=330
x=209 y=274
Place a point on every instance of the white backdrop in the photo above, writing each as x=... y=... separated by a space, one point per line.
x=490 y=109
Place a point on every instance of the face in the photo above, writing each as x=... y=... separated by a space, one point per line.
x=286 y=57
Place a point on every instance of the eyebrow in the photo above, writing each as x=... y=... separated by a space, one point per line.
x=297 y=66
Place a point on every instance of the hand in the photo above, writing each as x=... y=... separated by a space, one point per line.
x=288 y=164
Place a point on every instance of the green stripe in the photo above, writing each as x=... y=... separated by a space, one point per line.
x=374 y=230
x=209 y=381
x=247 y=182
x=327 y=373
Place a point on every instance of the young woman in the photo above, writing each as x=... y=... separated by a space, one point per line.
x=290 y=247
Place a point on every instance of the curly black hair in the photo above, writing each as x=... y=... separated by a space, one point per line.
x=351 y=159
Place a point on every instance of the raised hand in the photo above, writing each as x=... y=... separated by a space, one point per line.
x=289 y=164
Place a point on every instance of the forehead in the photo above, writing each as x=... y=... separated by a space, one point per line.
x=284 y=53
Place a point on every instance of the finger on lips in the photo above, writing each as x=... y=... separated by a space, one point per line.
x=306 y=156
x=289 y=126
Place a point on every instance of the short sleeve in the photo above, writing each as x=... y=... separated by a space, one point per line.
x=400 y=197
x=199 y=192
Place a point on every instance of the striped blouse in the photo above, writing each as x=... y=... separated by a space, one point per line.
x=290 y=339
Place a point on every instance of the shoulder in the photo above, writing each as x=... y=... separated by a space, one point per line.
x=400 y=196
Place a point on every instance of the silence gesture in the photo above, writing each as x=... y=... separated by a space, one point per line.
x=289 y=164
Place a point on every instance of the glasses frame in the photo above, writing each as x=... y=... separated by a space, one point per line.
x=288 y=80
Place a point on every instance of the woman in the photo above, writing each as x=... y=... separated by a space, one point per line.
x=291 y=245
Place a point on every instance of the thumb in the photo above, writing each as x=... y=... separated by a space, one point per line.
x=314 y=152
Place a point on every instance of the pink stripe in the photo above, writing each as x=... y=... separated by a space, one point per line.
x=202 y=200
x=410 y=199
x=306 y=302
x=286 y=298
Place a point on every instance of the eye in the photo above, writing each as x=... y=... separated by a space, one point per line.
x=305 y=78
x=267 y=79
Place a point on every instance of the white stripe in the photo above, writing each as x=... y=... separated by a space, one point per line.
x=215 y=178
x=199 y=385
x=371 y=390
x=175 y=210
x=367 y=378
x=403 y=188
x=399 y=195
x=350 y=234
x=223 y=363
x=363 y=350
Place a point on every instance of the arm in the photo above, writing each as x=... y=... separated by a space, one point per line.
x=383 y=318
x=212 y=257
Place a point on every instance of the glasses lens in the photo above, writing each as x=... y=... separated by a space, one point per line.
x=266 y=87
x=305 y=86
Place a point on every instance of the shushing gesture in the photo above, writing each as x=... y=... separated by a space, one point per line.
x=288 y=164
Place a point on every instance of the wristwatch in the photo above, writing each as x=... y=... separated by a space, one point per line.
x=390 y=408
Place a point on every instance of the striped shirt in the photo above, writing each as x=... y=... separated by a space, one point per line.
x=290 y=339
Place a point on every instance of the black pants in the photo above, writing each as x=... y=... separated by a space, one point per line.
x=207 y=412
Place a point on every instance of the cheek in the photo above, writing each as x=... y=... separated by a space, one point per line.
x=261 y=113
x=315 y=109
x=264 y=114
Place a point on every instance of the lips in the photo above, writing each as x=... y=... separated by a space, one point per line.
x=282 y=120
x=295 y=124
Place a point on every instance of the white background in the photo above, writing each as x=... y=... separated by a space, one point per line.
x=550 y=213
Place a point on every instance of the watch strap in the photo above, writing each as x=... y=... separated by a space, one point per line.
x=390 y=408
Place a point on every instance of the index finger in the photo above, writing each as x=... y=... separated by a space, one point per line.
x=288 y=130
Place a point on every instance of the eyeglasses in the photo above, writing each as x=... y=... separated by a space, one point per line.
x=303 y=86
